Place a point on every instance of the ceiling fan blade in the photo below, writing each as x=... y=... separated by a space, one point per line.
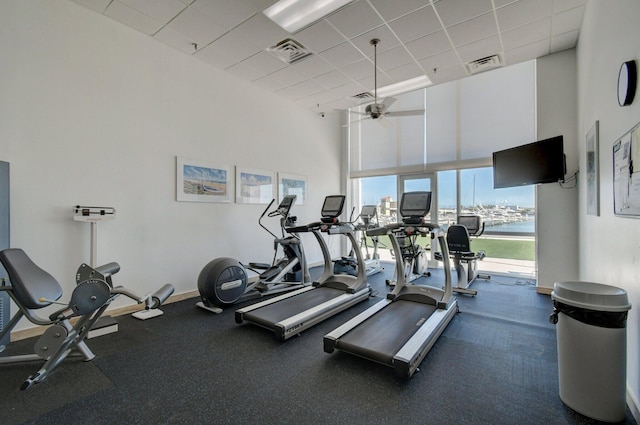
x=388 y=102
x=367 y=118
x=384 y=122
x=405 y=113
x=358 y=113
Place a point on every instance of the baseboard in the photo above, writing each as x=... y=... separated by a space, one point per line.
x=120 y=311
x=634 y=406
x=544 y=291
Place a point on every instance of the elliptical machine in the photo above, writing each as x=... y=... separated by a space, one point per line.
x=224 y=281
x=368 y=219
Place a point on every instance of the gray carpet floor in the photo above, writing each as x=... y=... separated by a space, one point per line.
x=496 y=363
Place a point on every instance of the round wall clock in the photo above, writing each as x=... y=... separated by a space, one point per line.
x=627 y=78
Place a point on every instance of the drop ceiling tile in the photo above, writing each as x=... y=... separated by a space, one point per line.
x=565 y=41
x=178 y=40
x=480 y=49
x=569 y=20
x=528 y=52
x=562 y=5
x=393 y=9
x=256 y=66
x=313 y=66
x=443 y=60
x=344 y=92
x=501 y=3
x=160 y=10
x=393 y=58
x=369 y=82
x=228 y=50
x=96 y=5
x=227 y=14
x=430 y=45
x=197 y=26
x=259 y=5
x=444 y=75
x=133 y=18
x=262 y=31
x=359 y=69
x=355 y=19
x=342 y=54
x=386 y=37
x=289 y=76
x=270 y=83
x=341 y=104
x=319 y=37
x=522 y=13
x=468 y=31
x=527 y=34
x=455 y=11
x=418 y=24
x=333 y=79
x=300 y=90
x=405 y=72
x=233 y=34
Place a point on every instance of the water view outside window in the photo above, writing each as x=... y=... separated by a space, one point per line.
x=506 y=211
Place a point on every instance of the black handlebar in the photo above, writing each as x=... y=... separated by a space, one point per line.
x=108 y=269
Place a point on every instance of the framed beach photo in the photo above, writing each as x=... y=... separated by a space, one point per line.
x=292 y=184
x=255 y=186
x=202 y=181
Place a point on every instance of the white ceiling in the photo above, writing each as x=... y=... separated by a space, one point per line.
x=436 y=38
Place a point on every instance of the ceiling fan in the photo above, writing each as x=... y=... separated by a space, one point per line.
x=379 y=111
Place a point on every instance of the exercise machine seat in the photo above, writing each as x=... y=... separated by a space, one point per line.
x=33 y=287
x=459 y=241
x=464 y=259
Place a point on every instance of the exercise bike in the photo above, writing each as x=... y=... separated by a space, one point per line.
x=415 y=259
x=225 y=281
x=368 y=219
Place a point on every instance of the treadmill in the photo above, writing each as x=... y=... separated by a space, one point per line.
x=400 y=330
x=289 y=314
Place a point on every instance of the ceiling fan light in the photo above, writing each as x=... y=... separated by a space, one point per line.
x=293 y=15
x=404 y=86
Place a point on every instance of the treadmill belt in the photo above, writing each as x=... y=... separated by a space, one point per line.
x=274 y=313
x=382 y=335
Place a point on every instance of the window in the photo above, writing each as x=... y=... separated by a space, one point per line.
x=505 y=211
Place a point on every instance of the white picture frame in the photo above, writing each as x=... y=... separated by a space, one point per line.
x=292 y=184
x=255 y=186
x=202 y=181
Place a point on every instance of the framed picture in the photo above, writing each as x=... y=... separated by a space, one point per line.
x=292 y=184
x=254 y=186
x=201 y=181
x=626 y=175
x=593 y=171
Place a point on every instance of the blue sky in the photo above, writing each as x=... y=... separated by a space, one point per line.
x=374 y=188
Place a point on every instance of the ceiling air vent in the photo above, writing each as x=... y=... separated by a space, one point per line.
x=363 y=96
x=485 y=64
x=289 y=51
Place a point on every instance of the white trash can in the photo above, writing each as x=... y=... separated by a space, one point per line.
x=591 y=323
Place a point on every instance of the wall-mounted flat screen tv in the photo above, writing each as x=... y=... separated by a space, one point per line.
x=533 y=163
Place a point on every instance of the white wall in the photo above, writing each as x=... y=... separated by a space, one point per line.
x=556 y=206
x=94 y=113
x=609 y=245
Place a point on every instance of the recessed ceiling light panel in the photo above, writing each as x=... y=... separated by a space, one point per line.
x=293 y=15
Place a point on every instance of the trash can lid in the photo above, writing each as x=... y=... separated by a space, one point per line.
x=591 y=296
